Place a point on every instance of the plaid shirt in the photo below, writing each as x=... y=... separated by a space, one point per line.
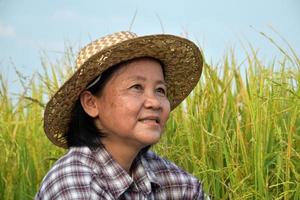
x=86 y=174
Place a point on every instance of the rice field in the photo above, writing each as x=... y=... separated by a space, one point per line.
x=239 y=131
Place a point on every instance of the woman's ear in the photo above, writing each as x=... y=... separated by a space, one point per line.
x=89 y=103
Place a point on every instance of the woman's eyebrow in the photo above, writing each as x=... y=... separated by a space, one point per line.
x=142 y=78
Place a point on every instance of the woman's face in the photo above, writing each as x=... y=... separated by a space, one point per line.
x=133 y=106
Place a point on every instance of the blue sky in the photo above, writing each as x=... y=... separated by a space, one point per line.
x=28 y=27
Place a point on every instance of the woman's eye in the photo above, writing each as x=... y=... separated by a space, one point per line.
x=137 y=87
x=161 y=91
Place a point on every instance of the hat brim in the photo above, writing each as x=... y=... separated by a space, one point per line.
x=182 y=62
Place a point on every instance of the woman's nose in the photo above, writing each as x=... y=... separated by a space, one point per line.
x=152 y=101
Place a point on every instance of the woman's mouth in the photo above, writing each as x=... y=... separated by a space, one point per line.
x=151 y=120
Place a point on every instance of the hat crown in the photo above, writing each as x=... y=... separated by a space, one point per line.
x=98 y=45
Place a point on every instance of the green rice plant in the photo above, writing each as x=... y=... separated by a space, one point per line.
x=238 y=131
x=240 y=136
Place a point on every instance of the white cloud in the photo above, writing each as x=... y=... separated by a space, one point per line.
x=6 y=30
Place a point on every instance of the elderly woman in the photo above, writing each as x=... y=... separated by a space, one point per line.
x=108 y=114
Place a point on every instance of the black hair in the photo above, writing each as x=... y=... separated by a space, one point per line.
x=82 y=129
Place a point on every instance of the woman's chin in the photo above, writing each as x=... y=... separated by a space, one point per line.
x=149 y=138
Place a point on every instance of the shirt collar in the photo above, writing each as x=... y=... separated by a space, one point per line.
x=142 y=174
x=118 y=180
x=150 y=173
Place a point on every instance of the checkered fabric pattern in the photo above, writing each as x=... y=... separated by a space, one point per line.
x=102 y=43
x=86 y=174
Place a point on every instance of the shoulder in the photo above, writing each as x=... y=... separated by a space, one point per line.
x=171 y=176
x=69 y=177
x=167 y=169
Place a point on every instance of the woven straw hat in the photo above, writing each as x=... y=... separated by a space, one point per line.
x=181 y=58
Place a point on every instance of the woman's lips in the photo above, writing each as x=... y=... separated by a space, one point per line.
x=151 y=120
